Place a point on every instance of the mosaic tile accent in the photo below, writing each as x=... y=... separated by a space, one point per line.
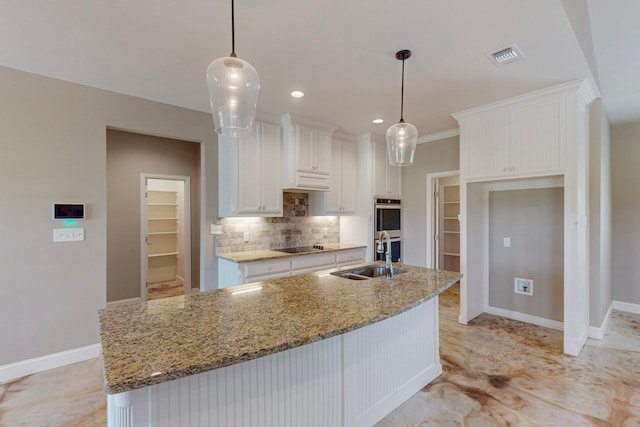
x=294 y=229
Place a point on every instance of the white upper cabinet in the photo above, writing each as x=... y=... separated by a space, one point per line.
x=307 y=153
x=249 y=169
x=387 y=179
x=514 y=140
x=341 y=199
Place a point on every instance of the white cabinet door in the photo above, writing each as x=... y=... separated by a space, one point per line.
x=341 y=199
x=394 y=177
x=387 y=179
x=334 y=196
x=348 y=177
x=271 y=168
x=310 y=263
x=483 y=140
x=305 y=147
x=350 y=257
x=380 y=166
x=249 y=172
x=518 y=141
x=322 y=153
x=537 y=143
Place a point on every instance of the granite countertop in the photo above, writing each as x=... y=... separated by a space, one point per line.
x=161 y=340
x=264 y=254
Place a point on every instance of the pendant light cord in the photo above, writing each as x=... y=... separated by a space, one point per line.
x=402 y=95
x=233 y=35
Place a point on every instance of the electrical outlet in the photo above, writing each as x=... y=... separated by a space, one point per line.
x=506 y=242
x=246 y=236
x=215 y=229
x=325 y=232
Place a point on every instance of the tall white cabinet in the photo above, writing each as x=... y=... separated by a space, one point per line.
x=341 y=197
x=387 y=179
x=542 y=134
x=249 y=171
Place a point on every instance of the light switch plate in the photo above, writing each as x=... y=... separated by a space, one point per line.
x=506 y=242
x=68 y=235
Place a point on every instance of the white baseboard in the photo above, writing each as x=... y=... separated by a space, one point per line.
x=626 y=306
x=23 y=368
x=527 y=318
x=598 y=332
x=123 y=302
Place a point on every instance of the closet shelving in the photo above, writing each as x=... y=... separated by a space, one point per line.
x=451 y=228
x=162 y=233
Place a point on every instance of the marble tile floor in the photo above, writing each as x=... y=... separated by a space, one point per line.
x=500 y=372
x=497 y=372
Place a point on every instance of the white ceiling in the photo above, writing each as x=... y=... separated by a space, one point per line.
x=339 y=52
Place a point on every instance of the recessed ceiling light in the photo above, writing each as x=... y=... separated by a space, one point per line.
x=297 y=94
x=377 y=121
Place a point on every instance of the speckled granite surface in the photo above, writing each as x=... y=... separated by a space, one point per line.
x=149 y=343
x=260 y=255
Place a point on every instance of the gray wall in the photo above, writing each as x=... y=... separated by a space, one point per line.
x=625 y=154
x=53 y=148
x=600 y=291
x=437 y=156
x=128 y=155
x=534 y=221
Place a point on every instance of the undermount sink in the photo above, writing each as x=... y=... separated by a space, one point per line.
x=366 y=272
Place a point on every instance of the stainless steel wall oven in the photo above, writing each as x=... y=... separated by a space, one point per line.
x=389 y=218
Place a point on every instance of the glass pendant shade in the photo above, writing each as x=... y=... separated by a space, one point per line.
x=401 y=143
x=233 y=91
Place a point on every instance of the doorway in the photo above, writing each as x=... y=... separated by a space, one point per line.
x=165 y=236
x=128 y=156
x=443 y=220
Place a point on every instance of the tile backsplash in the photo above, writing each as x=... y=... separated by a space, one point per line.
x=295 y=228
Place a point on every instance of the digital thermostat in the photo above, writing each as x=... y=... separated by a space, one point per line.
x=68 y=211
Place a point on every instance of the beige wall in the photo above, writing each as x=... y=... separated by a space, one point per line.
x=534 y=221
x=625 y=154
x=437 y=156
x=53 y=148
x=600 y=293
x=129 y=155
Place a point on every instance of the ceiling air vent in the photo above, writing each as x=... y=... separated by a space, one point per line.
x=506 y=54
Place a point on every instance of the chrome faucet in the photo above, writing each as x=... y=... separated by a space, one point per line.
x=381 y=249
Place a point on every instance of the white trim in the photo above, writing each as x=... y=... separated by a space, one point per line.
x=123 y=302
x=553 y=90
x=23 y=368
x=627 y=307
x=527 y=318
x=438 y=136
x=598 y=332
x=144 y=261
x=431 y=229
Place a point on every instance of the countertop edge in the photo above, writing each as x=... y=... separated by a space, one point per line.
x=194 y=370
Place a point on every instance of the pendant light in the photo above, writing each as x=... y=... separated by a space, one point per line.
x=402 y=137
x=233 y=91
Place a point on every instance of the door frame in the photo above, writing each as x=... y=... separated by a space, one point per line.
x=144 y=260
x=432 y=216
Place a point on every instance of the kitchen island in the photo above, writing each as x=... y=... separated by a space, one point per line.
x=313 y=349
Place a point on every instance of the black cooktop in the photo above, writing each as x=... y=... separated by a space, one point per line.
x=300 y=249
